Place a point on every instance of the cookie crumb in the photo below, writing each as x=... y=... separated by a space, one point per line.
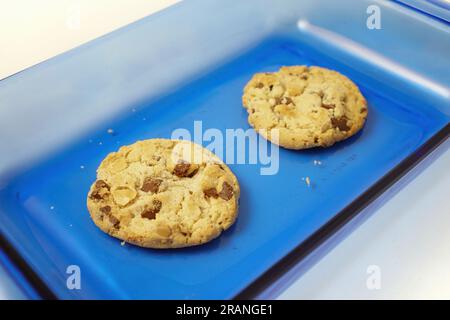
x=52 y=207
x=81 y=167
x=100 y=143
x=317 y=162
x=122 y=243
x=110 y=131
x=307 y=181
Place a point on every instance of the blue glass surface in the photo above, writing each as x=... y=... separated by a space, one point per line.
x=437 y=8
x=49 y=223
x=13 y=286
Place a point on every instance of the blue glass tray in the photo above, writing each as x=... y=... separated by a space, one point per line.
x=143 y=85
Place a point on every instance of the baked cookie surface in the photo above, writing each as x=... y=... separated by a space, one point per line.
x=162 y=193
x=308 y=106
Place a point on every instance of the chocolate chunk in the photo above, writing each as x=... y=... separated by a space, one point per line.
x=115 y=222
x=328 y=106
x=181 y=169
x=105 y=209
x=151 y=212
x=259 y=85
x=363 y=110
x=340 y=123
x=304 y=76
x=211 y=192
x=151 y=185
x=96 y=195
x=227 y=191
x=101 y=184
x=271 y=87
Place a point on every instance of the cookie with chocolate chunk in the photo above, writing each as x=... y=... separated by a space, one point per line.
x=162 y=193
x=301 y=107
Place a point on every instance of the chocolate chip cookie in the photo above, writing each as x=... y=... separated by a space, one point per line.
x=302 y=107
x=162 y=193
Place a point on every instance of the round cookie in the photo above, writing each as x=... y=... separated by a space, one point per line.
x=307 y=106
x=162 y=193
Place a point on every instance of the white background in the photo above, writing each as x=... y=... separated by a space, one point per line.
x=408 y=239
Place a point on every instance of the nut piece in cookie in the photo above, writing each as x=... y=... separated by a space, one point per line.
x=123 y=195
